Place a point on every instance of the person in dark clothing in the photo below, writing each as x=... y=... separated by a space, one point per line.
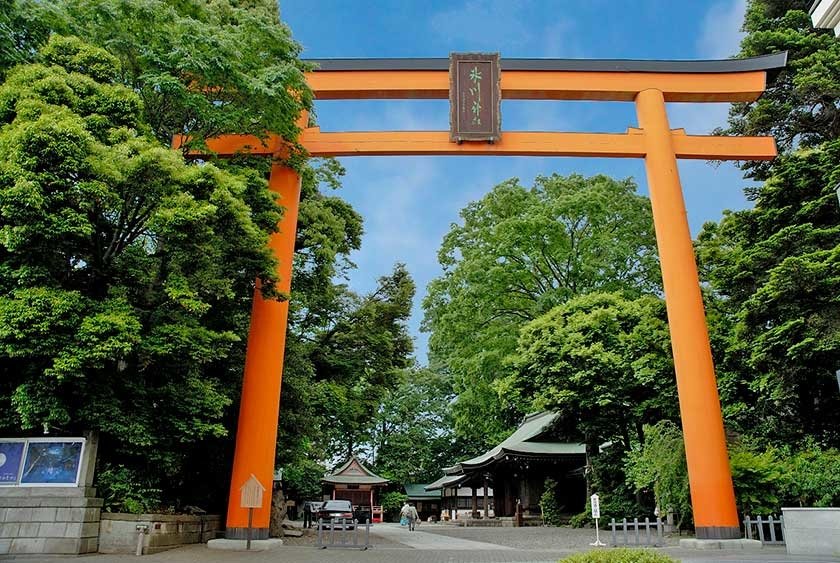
x=307 y=514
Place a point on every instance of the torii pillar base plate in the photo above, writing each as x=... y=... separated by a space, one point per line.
x=239 y=545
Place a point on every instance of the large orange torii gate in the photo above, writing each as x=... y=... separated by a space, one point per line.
x=649 y=84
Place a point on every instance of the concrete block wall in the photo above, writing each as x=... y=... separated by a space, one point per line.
x=49 y=520
x=118 y=532
x=812 y=531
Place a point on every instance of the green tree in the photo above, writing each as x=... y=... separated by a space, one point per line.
x=518 y=253
x=203 y=67
x=775 y=269
x=603 y=362
x=25 y=25
x=116 y=257
x=359 y=358
x=339 y=368
x=198 y=67
x=412 y=434
x=800 y=105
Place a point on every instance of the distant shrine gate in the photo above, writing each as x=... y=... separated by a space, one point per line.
x=476 y=93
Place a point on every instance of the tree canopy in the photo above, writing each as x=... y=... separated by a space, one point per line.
x=519 y=253
x=775 y=269
x=127 y=270
x=800 y=105
x=119 y=260
x=603 y=362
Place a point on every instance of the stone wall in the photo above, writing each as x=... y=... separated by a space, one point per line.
x=812 y=531
x=118 y=532
x=60 y=520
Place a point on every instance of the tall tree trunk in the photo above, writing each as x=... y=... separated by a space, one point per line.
x=278 y=513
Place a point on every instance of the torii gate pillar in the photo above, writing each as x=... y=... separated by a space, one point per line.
x=256 y=434
x=712 y=494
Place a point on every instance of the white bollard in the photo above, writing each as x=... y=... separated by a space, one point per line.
x=142 y=530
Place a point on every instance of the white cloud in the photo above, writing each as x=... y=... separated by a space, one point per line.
x=720 y=38
x=490 y=25
x=721 y=34
x=483 y=24
x=709 y=189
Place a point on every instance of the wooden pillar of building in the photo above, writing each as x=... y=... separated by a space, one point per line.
x=474 y=501
x=256 y=433
x=712 y=494
x=486 y=503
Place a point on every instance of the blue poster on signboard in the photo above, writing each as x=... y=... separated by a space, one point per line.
x=11 y=454
x=52 y=463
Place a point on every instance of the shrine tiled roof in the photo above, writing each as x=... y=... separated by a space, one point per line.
x=353 y=472
x=528 y=440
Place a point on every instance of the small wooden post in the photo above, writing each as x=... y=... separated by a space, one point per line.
x=250 y=528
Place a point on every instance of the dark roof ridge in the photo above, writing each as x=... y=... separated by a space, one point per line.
x=769 y=62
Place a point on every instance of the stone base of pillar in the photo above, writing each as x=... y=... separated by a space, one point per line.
x=717 y=533
x=742 y=544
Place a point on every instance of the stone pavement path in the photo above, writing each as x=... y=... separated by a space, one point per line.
x=435 y=544
x=426 y=541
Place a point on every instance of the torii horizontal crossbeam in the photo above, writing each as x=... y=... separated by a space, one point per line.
x=513 y=143
x=732 y=80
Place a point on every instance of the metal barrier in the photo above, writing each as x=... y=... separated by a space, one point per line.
x=758 y=524
x=327 y=534
x=622 y=539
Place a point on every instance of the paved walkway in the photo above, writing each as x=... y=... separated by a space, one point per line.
x=419 y=539
x=436 y=544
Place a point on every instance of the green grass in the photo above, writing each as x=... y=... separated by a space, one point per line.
x=621 y=555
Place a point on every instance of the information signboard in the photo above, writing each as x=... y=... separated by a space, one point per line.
x=11 y=456
x=595 y=504
x=251 y=493
x=595 y=507
x=52 y=463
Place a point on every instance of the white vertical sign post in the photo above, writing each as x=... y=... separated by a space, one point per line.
x=595 y=505
x=251 y=497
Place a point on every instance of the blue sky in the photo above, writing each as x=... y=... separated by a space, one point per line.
x=409 y=203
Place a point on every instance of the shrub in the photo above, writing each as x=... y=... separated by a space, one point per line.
x=581 y=520
x=124 y=491
x=393 y=500
x=391 y=503
x=766 y=481
x=620 y=555
x=659 y=464
x=758 y=479
x=813 y=476
x=548 y=503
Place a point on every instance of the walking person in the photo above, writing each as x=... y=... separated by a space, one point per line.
x=411 y=515
x=404 y=514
